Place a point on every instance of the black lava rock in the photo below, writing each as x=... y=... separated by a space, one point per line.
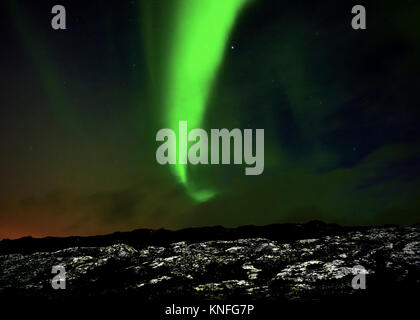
x=311 y=262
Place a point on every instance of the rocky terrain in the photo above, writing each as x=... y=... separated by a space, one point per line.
x=273 y=268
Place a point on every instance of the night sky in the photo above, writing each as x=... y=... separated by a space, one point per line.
x=80 y=109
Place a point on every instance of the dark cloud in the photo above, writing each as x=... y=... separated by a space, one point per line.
x=53 y=198
x=115 y=206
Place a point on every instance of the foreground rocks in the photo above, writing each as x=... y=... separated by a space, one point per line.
x=318 y=268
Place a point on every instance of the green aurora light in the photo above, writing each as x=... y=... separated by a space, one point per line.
x=197 y=39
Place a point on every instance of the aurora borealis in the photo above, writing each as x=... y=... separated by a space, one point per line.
x=196 y=46
x=80 y=109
